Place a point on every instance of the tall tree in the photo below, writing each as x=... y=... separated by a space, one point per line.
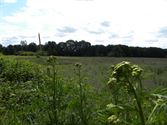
x=23 y=44
x=1 y=47
x=51 y=48
x=32 y=47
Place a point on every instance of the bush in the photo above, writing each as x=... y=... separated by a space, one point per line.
x=13 y=70
x=26 y=53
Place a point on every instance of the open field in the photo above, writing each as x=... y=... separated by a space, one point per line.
x=97 y=69
x=82 y=91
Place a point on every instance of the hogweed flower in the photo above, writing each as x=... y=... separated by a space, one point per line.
x=123 y=72
x=128 y=76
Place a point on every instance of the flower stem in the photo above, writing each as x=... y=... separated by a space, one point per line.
x=140 y=110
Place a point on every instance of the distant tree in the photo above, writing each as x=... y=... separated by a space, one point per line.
x=17 y=48
x=83 y=48
x=99 y=50
x=71 y=47
x=165 y=51
x=23 y=44
x=154 y=52
x=62 y=49
x=1 y=48
x=9 y=50
x=51 y=48
x=32 y=47
x=116 y=51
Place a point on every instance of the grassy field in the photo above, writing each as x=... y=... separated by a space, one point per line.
x=82 y=91
x=97 y=69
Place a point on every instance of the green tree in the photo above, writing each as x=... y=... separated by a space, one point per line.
x=32 y=47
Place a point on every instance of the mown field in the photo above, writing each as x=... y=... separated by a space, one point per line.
x=83 y=91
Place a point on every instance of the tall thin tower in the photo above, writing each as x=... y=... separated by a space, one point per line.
x=39 y=38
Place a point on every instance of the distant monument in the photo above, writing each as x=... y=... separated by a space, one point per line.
x=39 y=38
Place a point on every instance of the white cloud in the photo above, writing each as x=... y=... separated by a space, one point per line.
x=91 y=20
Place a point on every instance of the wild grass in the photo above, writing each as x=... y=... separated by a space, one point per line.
x=59 y=91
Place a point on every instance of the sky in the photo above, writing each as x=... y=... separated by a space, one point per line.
x=140 y=23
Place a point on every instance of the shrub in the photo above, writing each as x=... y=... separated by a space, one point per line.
x=26 y=53
x=13 y=70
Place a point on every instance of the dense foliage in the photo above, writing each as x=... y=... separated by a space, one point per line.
x=82 y=48
x=31 y=94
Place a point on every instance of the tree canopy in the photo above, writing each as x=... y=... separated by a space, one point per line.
x=84 y=48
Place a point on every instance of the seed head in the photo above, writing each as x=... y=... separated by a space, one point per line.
x=78 y=65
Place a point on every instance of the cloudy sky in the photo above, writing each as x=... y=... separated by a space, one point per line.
x=129 y=22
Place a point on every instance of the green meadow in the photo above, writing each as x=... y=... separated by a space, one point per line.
x=97 y=69
x=82 y=91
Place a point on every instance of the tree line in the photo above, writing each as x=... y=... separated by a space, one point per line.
x=82 y=48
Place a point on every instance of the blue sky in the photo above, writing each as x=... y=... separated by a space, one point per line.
x=8 y=8
x=129 y=22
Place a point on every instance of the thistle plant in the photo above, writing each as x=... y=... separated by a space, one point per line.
x=82 y=96
x=56 y=92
